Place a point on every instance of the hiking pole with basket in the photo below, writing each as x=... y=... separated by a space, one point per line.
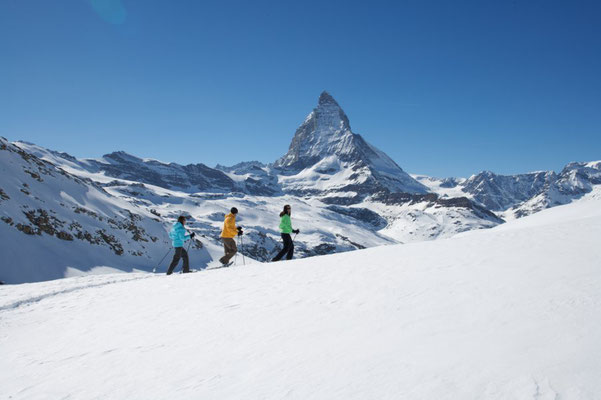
x=240 y=245
x=154 y=270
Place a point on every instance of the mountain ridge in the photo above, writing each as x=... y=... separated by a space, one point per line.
x=346 y=195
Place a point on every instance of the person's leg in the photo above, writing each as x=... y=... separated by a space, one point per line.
x=175 y=261
x=234 y=248
x=290 y=248
x=186 y=267
x=224 y=251
x=230 y=248
x=285 y=238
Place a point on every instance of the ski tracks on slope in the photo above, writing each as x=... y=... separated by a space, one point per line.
x=526 y=387
x=31 y=292
x=31 y=296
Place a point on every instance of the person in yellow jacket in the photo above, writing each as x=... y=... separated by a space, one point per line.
x=228 y=233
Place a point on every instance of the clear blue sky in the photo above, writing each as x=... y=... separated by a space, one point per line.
x=446 y=88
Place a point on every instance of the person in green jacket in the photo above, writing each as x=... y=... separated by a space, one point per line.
x=286 y=229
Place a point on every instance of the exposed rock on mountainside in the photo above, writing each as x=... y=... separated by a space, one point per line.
x=189 y=178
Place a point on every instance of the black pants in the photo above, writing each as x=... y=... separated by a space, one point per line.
x=288 y=248
x=179 y=253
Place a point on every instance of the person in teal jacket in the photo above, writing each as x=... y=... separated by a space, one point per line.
x=178 y=237
x=286 y=230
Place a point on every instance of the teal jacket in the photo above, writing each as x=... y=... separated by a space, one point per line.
x=178 y=235
x=285 y=224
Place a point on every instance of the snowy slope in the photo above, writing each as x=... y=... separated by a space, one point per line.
x=506 y=313
x=60 y=218
x=55 y=224
x=325 y=228
x=446 y=187
x=327 y=225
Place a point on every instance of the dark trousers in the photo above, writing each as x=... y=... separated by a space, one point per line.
x=230 y=249
x=288 y=248
x=179 y=253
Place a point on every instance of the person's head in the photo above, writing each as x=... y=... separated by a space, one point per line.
x=234 y=210
x=287 y=210
x=181 y=219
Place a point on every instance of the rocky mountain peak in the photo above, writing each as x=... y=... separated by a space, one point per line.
x=326 y=99
x=326 y=131
x=328 y=118
x=326 y=137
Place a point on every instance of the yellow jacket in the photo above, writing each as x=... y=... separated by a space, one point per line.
x=229 y=226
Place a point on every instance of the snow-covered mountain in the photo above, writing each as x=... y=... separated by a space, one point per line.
x=55 y=224
x=500 y=192
x=62 y=217
x=505 y=313
x=326 y=158
x=190 y=178
x=346 y=195
x=524 y=194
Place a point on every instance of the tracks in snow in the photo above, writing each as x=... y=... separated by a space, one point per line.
x=28 y=299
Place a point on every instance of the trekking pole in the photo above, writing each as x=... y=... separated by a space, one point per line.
x=273 y=253
x=242 y=247
x=155 y=268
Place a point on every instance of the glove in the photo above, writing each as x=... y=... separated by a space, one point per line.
x=192 y=235
x=240 y=233
x=297 y=231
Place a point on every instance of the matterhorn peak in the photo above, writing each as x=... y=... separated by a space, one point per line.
x=321 y=134
x=326 y=134
x=326 y=99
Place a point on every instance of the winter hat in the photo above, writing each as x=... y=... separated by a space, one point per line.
x=234 y=210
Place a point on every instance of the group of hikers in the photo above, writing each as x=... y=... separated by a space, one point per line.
x=179 y=236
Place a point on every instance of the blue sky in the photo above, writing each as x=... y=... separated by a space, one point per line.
x=446 y=88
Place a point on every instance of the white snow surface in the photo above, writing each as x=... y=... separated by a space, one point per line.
x=510 y=312
x=434 y=185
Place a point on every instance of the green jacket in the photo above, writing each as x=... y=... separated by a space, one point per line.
x=285 y=224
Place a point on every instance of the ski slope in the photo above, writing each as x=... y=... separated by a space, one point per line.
x=511 y=312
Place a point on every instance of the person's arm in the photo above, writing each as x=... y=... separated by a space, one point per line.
x=291 y=228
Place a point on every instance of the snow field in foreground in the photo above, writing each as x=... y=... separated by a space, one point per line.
x=506 y=313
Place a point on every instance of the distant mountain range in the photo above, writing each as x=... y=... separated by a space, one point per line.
x=76 y=214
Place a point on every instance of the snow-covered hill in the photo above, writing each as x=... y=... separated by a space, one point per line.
x=506 y=313
x=69 y=220
x=326 y=228
x=55 y=224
